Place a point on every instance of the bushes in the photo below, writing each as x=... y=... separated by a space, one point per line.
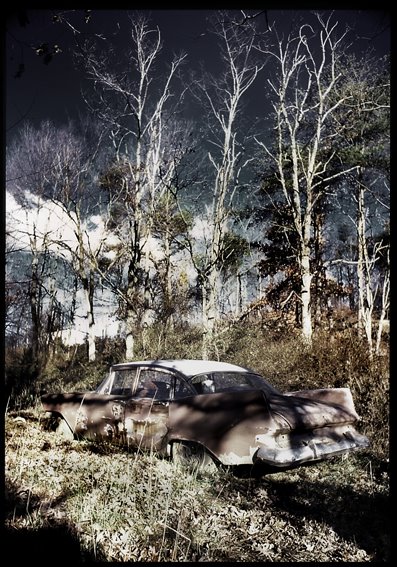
x=20 y=379
x=183 y=341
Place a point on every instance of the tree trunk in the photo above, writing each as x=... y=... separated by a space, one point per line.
x=238 y=305
x=384 y=310
x=35 y=310
x=209 y=303
x=307 y=329
x=365 y=295
x=129 y=343
x=89 y=299
x=168 y=283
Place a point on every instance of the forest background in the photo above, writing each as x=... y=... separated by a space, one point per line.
x=236 y=210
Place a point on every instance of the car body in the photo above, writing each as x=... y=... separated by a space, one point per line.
x=209 y=411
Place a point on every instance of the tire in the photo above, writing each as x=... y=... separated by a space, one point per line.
x=192 y=457
x=63 y=430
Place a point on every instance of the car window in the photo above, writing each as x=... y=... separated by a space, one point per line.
x=182 y=390
x=104 y=386
x=224 y=381
x=204 y=383
x=153 y=383
x=230 y=381
x=123 y=381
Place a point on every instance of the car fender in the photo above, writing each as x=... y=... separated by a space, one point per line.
x=225 y=423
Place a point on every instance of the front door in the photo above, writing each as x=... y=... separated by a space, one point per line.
x=146 y=413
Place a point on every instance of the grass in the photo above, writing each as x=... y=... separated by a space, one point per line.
x=115 y=506
x=97 y=503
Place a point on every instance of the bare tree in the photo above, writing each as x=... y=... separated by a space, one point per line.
x=364 y=140
x=223 y=97
x=303 y=102
x=35 y=311
x=53 y=163
x=136 y=109
x=373 y=261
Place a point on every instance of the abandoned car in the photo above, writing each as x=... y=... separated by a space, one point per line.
x=203 y=412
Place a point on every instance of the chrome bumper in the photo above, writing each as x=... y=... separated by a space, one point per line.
x=310 y=450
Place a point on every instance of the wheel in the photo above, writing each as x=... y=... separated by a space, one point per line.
x=192 y=457
x=63 y=430
x=55 y=423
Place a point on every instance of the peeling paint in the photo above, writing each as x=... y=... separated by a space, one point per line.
x=237 y=425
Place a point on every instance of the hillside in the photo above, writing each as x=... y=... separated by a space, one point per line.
x=99 y=503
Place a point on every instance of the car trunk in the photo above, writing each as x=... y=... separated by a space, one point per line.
x=308 y=409
x=312 y=425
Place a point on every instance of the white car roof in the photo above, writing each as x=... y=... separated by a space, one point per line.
x=189 y=367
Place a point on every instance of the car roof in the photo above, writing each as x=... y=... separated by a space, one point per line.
x=188 y=367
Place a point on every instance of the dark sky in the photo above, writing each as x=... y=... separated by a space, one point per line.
x=38 y=91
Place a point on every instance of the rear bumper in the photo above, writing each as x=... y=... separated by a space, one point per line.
x=313 y=448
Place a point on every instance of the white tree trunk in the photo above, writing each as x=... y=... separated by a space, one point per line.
x=129 y=345
x=385 y=308
x=238 y=304
x=307 y=329
x=364 y=268
x=91 y=327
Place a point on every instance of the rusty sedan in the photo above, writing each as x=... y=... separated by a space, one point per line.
x=204 y=412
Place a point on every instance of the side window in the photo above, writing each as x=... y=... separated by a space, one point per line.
x=204 y=384
x=182 y=390
x=220 y=382
x=231 y=381
x=123 y=381
x=154 y=383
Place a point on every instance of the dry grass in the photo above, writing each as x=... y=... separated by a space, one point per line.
x=97 y=503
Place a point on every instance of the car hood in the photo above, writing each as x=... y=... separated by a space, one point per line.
x=308 y=409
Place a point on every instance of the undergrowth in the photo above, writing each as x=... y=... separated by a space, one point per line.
x=118 y=506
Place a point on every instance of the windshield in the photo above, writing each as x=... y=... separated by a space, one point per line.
x=101 y=385
x=224 y=381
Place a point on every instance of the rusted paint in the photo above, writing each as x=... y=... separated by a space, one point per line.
x=235 y=427
x=225 y=423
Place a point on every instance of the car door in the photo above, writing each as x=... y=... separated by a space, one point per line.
x=146 y=412
x=101 y=416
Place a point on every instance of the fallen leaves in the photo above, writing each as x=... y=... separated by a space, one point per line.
x=128 y=507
